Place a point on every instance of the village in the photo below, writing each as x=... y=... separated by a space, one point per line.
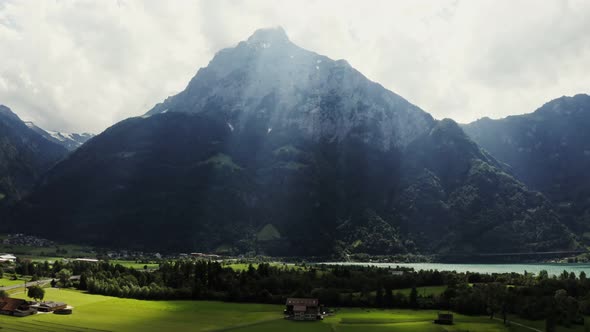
x=18 y=307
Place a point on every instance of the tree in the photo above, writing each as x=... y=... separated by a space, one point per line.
x=379 y=298
x=495 y=295
x=83 y=285
x=543 y=275
x=388 y=300
x=64 y=276
x=567 y=307
x=1 y=272
x=36 y=293
x=53 y=283
x=414 y=298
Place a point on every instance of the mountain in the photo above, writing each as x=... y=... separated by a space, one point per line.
x=67 y=140
x=548 y=150
x=268 y=81
x=275 y=149
x=24 y=156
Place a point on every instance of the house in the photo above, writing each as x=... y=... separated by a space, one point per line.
x=207 y=256
x=15 y=307
x=444 y=319
x=49 y=306
x=7 y=258
x=302 y=309
x=87 y=260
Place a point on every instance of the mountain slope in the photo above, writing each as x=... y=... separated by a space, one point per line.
x=458 y=199
x=24 y=156
x=276 y=149
x=549 y=150
x=70 y=141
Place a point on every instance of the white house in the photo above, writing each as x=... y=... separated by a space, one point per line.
x=7 y=258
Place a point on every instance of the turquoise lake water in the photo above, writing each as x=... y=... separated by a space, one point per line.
x=551 y=268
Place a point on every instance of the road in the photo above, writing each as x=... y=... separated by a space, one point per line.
x=33 y=283
x=518 y=324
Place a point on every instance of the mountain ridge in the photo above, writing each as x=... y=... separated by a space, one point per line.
x=24 y=156
x=304 y=146
x=70 y=141
x=548 y=150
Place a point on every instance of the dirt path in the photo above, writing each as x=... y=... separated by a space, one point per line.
x=518 y=324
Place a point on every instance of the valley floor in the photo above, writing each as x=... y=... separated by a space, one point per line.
x=96 y=313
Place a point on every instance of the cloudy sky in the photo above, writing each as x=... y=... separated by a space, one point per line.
x=84 y=65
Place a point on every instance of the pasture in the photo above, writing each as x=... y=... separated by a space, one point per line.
x=135 y=264
x=97 y=313
x=6 y=280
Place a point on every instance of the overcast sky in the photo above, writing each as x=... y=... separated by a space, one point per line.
x=84 y=65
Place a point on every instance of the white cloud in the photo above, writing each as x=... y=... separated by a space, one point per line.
x=84 y=65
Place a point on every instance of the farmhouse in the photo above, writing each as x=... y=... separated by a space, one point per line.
x=88 y=260
x=206 y=256
x=302 y=309
x=7 y=258
x=15 y=307
x=49 y=306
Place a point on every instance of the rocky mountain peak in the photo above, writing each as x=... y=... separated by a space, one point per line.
x=268 y=36
x=274 y=83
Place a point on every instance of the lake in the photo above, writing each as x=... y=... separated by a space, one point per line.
x=551 y=268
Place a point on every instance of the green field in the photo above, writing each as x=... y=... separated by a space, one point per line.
x=102 y=313
x=5 y=281
x=47 y=253
x=135 y=264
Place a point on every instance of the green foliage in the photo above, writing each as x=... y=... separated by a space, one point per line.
x=221 y=160
x=413 y=298
x=267 y=233
x=287 y=151
x=36 y=292
x=64 y=276
x=370 y=234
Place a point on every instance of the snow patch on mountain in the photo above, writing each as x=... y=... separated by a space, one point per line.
x=70 y=141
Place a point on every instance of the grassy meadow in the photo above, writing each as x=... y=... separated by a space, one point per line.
x=424 y=291
x=135 y=264
x=6 y=280
x=93 y=313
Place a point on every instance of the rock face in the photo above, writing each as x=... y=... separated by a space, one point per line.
x=24 y=156
x=269 y=81
x=549 y=151
x=275 y=149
